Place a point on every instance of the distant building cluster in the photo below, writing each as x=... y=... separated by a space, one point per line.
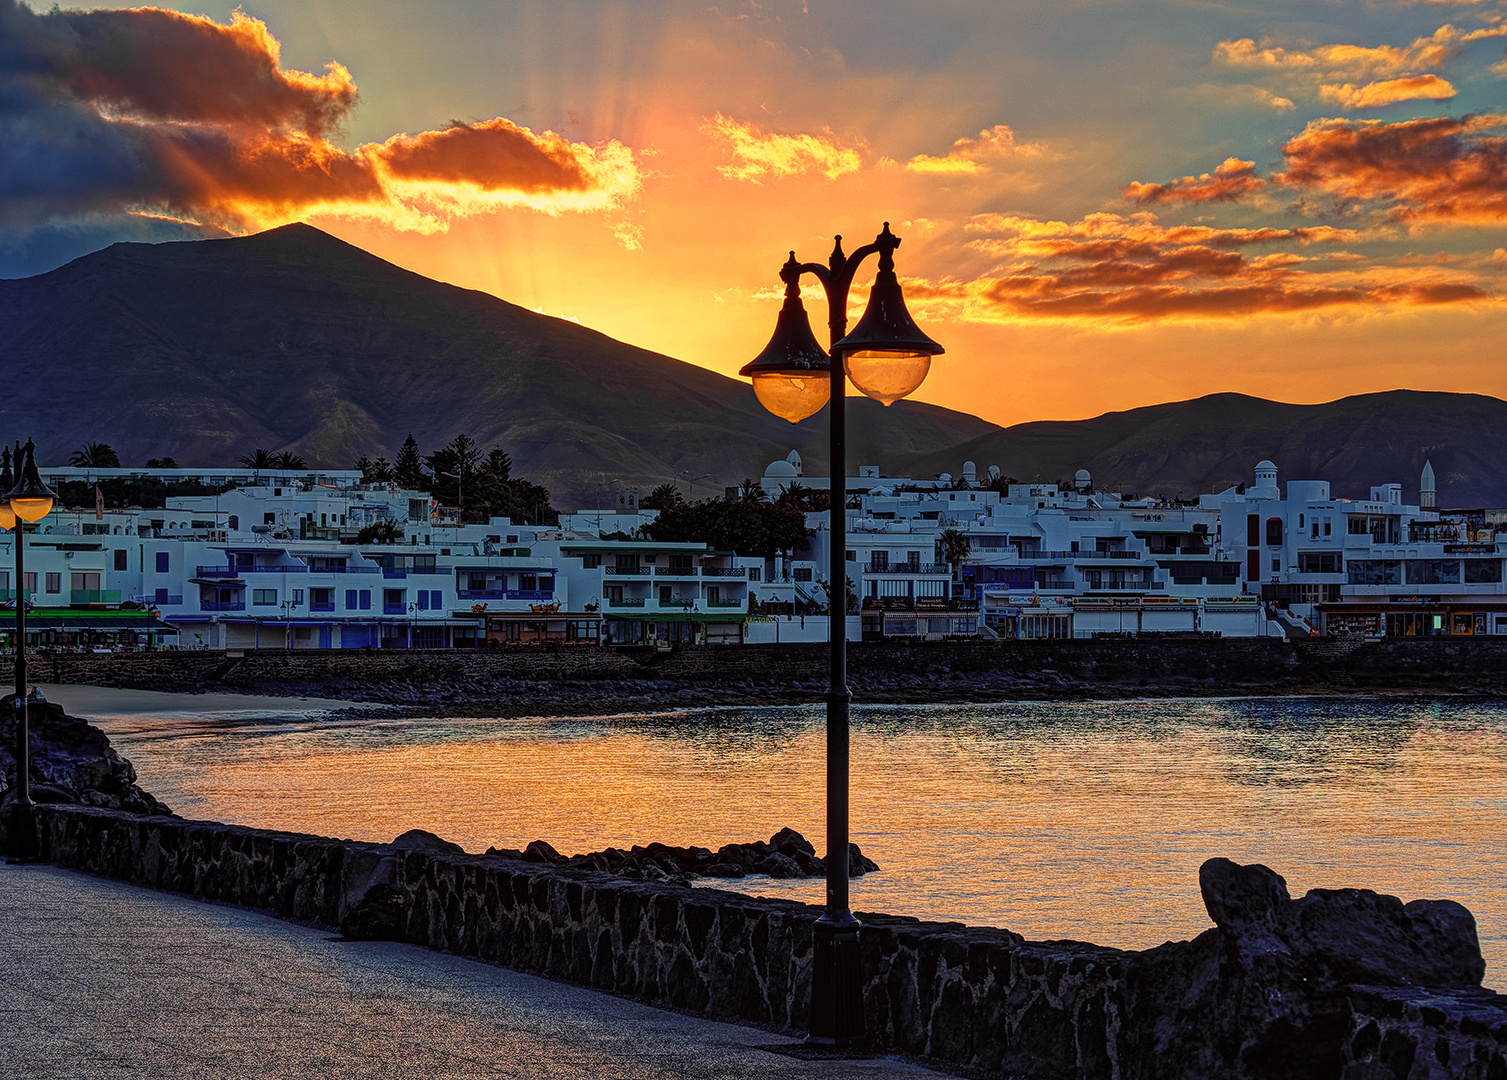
x=325 y=560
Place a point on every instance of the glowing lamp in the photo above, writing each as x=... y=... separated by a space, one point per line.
x=7 y=481
x=887 y=356
x=30 y=499
x=792 y=377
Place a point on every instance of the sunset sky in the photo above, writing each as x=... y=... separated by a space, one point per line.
x=1103 y=203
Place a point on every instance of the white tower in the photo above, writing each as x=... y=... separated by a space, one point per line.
x=1427 y=498
x=1265 y=486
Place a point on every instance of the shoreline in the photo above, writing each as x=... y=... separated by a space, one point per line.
x=581 y=681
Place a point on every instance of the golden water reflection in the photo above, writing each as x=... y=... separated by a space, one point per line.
x=1055 y=820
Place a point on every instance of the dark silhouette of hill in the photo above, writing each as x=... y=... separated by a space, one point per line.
x=1210 y=443
x=294 y=340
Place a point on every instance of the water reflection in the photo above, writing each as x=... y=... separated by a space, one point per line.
x=1084 y=820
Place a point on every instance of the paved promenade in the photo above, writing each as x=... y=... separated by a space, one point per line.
x=100 y=980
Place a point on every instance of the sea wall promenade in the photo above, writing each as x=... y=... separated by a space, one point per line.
x=610 y=679
x=1334 y=984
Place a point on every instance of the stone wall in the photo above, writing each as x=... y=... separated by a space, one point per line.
x=1270 y=993
x=881 y=671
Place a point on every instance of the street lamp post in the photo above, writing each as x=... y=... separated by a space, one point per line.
x=887 y=356
x=29 y=501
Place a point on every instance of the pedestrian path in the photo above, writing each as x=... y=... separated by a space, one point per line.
x=104 y=980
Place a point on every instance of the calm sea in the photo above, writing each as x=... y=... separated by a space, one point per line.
x=1055 y=820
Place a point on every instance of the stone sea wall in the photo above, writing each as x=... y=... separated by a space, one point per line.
x=1335 y=984
x=615 y=679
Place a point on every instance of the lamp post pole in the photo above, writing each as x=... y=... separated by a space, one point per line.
x=886 y=356
x=29 y=501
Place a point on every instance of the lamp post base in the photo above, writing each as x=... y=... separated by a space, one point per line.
x=836 y=984
x=22 y=845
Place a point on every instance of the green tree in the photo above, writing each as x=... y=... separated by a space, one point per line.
x=408 y=469
x=954 y=547
x=258 y=459
x=498 y=463
x=288 y=460
x=382 y=532
x=95 y=455
x=745 y=526
x=663 y=497
x=162 y=463
x=751 y=491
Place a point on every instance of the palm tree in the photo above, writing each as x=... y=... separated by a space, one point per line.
x=288 y=460
x=751 y=491
x=95 y=455
x=258 y=459
x=955 y=547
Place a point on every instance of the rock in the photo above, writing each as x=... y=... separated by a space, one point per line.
x=787 y=842
x=780 y=866
x=859 y=863
x=1249 y=904
x=540 y=851
x=71 y=761
x=419 y=840
x=724 y=870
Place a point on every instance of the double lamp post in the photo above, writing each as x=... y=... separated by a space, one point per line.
x=886 y=356
x=27 y=500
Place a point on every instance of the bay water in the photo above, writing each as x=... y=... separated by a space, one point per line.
x=1055 y=820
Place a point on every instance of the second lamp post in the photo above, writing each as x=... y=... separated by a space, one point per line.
x=886 y=356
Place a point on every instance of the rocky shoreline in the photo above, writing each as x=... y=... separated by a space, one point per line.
x=598 y=681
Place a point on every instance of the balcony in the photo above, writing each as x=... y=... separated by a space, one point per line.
x=222 y=605
x=628 y=571
x=165 y=599
x=676 y=605
x=220 y=571
x=328 y=605
x=505 y=594
x=347 y=569
x=626 y=602
x=675 y=571
x=394 y=609
x=92 y=597
x=724 y=571
x=726 y=604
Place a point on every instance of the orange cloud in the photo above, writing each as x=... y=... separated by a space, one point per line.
x=1116 y=269
x=760 y=156
x=970 y=157
x=150 y=112
x=1440 y=171
x=156 y=65
x=1388 y=92
x=1354 y=61
x=1232 y=180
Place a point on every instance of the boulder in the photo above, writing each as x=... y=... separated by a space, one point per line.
x=780 y=866
x=419 y=840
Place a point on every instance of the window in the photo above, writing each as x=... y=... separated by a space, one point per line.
x=423 y=599
x=1327 y=526
x=755 y=574
x=1276 y=566
x=358 y=599
x=1433 y=571
x=298 y=595
x=1319 y=562
x=120 y=559
x=162 y=562
x=1483 y=571
x=54 y=582
x=29 y=584
x=590 y=562
x=394 y=601
x=85 y=581
x=1273 y=531
x=803 y=573
x=1375 y=572
x=436 y=599
x=269 y=518
x=264 y=597
x=664 y=594
x=1252 y=530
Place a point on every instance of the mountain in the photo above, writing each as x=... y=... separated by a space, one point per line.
x=294 y=340
x=1210 y=443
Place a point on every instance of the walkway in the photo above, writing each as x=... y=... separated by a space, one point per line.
x=106 y=980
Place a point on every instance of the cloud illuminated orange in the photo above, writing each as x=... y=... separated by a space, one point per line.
x=968 y=157
x=1387 y=92
x=1442 y=171
x=1117 y=269
x=1232 y=180
x=759 y=155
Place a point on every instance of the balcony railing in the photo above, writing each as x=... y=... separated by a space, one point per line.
x=724 y=571
x=726 y=603
x=222 y=605
x=628 y=571
x=626 y=602
x=347 y=569
x=218 y=571
x=394 y=609
x=675 y=571
x=87 y=597
x=166 y=599
x=678 y=605
x=326 y=606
